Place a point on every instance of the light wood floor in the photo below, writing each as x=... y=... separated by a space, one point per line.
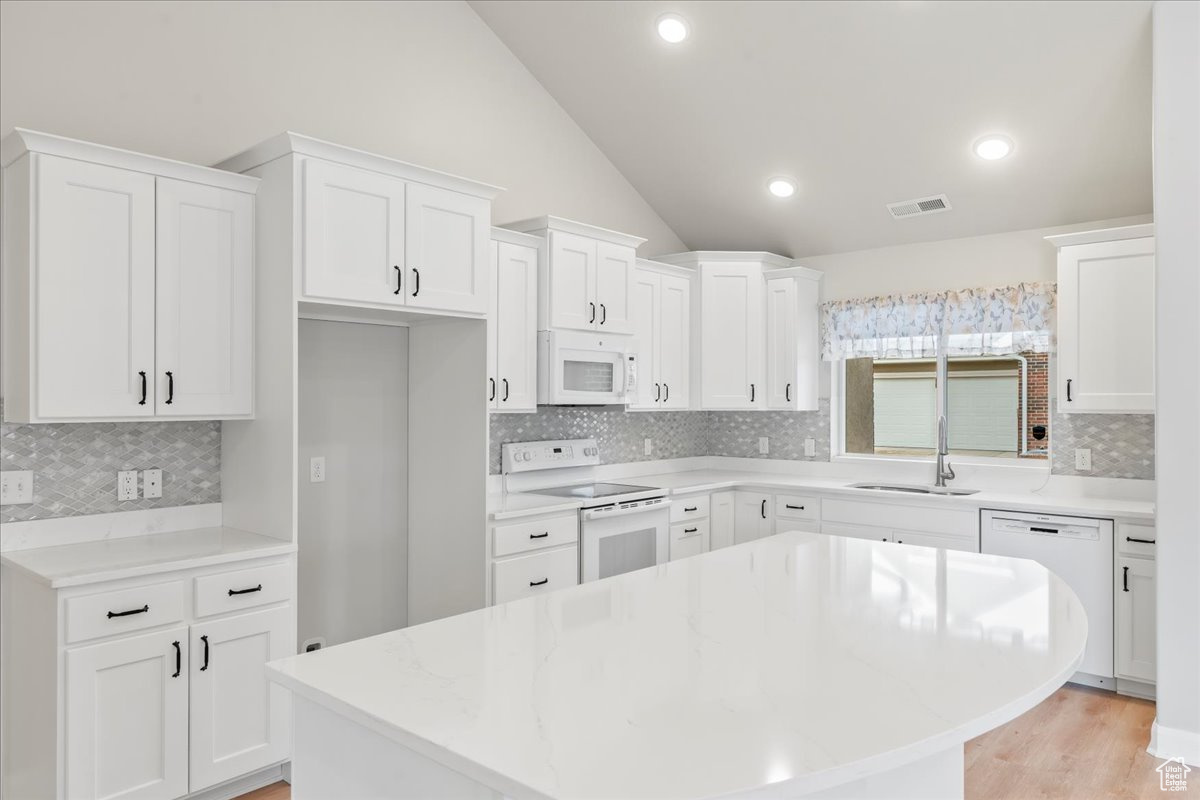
x=1081 y=744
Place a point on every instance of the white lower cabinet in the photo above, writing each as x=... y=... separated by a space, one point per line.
x=753 y=515
x=689 y=539
x=1134 y=590
x=721 y=520
x=532 y=556
x=856 y=531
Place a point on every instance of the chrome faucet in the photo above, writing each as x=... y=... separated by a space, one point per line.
x=944 y=471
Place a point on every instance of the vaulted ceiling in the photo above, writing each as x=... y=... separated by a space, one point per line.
x=863 y=103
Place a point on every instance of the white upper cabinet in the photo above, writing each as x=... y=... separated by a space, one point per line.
x=512 y=322
x=586 y=280
x=446 y=249
x=792 y=338
x=204 y=323
x=128 y=285
x=661 y=313
x=1106 y=320
x=731 y=336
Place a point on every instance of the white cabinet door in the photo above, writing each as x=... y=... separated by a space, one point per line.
x=944 y=541
x=1106 y=326
x=752 y=516
x=674 y=341
x=572 y=279
x=689 y=539
x=731 y=335
x=781 y=343
x=856 y=531
x=95 y=291
x=204 y=363
x=240 y=721
x=615 y=267
x=646 y=326
x=1136 y=614
x=126 y=718
x=446 y=248
x=492 y=319
x=353 y=235
x=516 y=327
x=721 y=520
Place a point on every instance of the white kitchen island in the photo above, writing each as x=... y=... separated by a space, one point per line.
x=799 y=665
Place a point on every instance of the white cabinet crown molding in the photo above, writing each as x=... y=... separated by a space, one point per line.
x=665 y=269
x=22 y=141
x=289 y=142
x=696 y=258
x=517 y=238
x=551 y=223
x=1103 y=235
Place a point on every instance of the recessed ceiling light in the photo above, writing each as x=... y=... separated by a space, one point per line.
x=993 y=147
x=781 y=187
x=672 y=28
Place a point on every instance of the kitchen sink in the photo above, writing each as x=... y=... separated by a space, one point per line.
x=911 y=489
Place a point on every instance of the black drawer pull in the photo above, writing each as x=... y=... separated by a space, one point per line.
x=793 y=508
x=539 y=535
x=142 y=402
x=492 y=396
x=666 y=392
x=752 y=393
x=593 y=319
x=1125 y=579
x=787 y=393
x=690 y=530
x=258 y=588
x=603 y=314
x=657 y=392
x=1139 y=541
x=141 y=610
x=178 y=660
x=205 y=640
x=764 y=509
x=505 y=382
x=416 y=281
x=542 y=582
x=170 y=387
x=689 y=509
x=1068 y=390
x=399 y=278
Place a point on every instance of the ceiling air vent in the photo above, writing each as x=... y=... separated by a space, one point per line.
x=919 y=207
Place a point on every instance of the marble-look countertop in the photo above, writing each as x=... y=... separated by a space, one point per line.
x=111 y=559
x=797 y=659
x=516 y=504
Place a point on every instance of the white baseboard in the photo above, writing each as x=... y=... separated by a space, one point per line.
x=1174 y=743
x=57 y=531
x=240 y=786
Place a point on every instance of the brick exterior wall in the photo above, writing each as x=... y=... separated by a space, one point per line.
x=1037 y=394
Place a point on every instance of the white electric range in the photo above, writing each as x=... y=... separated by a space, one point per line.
x=621 y=527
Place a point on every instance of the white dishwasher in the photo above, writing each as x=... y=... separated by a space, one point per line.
x=1080 y=551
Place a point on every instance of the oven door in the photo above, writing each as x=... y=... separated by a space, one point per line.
x=615 y=542
x=583 y=370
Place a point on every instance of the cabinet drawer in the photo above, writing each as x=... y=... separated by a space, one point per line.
x=888 y=515
x=967 y=544
x=123 y=611
x=526 y=576
x=794 y=506
x=534 y=535
x=1135 y=540
x=689 y=539
x=243 y=588
x=689 y=508
x=805 y=525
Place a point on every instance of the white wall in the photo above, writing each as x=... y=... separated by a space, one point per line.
x=426 y=82
x=996 y=260
x=1177 y=211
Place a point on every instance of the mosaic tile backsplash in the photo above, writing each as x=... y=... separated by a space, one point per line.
x=75 y=465
x=1122 y=445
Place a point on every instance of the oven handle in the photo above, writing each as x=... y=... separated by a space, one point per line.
x=597 y=515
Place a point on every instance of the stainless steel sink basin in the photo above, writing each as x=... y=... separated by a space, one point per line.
x=912 y=489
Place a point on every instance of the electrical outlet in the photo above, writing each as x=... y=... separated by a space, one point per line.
x=127 y=488
x=810 y=447
x=16 y=486
x=151 y=483
x=316 y=469
x=1083 y=459
x=764 y=446
x=647 y=446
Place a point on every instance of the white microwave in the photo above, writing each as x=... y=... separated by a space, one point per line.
x=584 y=369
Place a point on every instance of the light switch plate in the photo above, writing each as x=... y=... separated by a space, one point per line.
x=647 y=446
x=127 y=488
x=316 y=469
x=151 y=483
x=16 y=486
x=810 y=447
x=1083 y=459
x=764 y=446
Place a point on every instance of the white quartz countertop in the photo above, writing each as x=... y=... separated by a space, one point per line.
x=111 y=559
x=798 y=661
x=516 y=504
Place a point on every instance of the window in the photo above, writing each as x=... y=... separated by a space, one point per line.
x=995 y=406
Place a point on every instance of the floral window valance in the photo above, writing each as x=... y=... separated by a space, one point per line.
x=969 y=322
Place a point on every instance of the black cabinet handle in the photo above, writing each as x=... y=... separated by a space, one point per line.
x=752 y=393
x=666 y=392
x=416 y=281
x=542 y=582
x=794 y=508
x=492 y=396
x=539 y=535
x=170 y=387
x=603 y=314
x=764 y=509
x=505 y=398
x=657 y=392
x=399 y=278
x=787 y=393
x=1068 y=390
x=593 y=319
x=898 y=541
x=178 y=659
x=690 y=530
x=689 y=509
x=205 y=640
x=1125 y=579
x=142 y=402
x=1139 y=541
x=258 y=588
x=141 y=610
